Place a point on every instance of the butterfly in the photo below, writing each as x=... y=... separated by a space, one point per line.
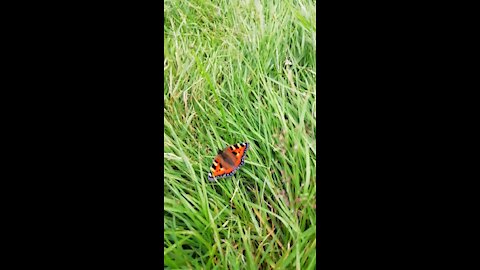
x=228 y=161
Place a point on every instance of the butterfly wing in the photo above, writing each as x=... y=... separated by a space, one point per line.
x=238 y=152
x=227 y=162
x=216 y=168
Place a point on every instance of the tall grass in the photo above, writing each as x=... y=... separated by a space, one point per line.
x=240 y=71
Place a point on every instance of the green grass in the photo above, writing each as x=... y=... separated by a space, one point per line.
x=227 y=80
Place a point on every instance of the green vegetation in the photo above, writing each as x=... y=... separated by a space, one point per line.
x=240 y=71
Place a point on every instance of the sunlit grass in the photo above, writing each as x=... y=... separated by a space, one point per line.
x=240 y=71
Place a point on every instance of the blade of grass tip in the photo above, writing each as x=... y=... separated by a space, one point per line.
x=313 y=262
x=216 y=236
x=210 y=84
x=171 y=263
x=297 y=252
x=289 y=257
x=247 y=242
x=202 y=185
x=282 y=207
x=188 y=164
x=178 y=243
x=280 y=111
x=188 y=203
x=307 y=176
x=287 y=225
x=251 y=214
x=308 y=251
x=303 y=112
x=270 y=230
x=217 y=139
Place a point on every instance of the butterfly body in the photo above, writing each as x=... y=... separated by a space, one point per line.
x=228 y=161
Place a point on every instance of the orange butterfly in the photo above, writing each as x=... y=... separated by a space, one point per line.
x=228 y=161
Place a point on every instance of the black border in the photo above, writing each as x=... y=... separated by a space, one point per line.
x=376 y=69
x=95 y=75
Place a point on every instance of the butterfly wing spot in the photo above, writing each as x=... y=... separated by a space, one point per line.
x=215 y=167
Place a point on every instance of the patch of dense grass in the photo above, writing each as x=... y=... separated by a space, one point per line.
x=240 y=71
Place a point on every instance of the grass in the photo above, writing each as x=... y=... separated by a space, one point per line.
x=240 y=71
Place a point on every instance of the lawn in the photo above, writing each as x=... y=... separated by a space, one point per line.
x=240 y=71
